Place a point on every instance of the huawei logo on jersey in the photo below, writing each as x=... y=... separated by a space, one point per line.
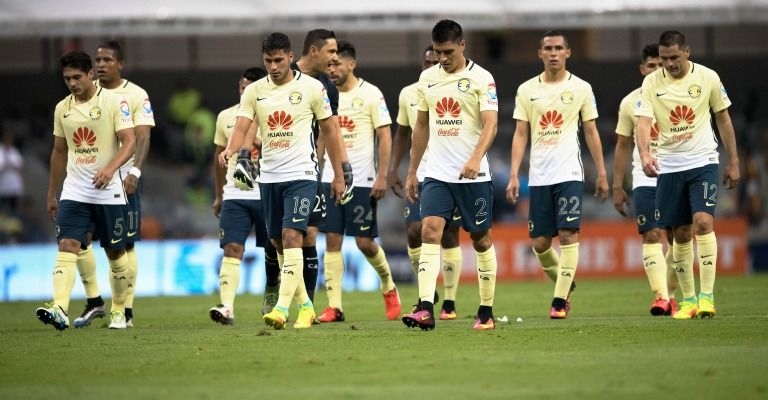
x=654 y=131
x=346 y=123
x=551 y=119
x=83 y=136
x=279 y=120
x=681 y=113
x=447 y=105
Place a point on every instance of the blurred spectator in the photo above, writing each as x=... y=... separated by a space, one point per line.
x=182 y=103
x=198 y=138
x=11 y=182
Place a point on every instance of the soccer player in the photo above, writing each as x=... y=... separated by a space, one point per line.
x=109 y=62
x=93 y=137
x=681 y=97
x=240 y=211
x=452 y=260
x=458 y=115
x=364 y=119
x=283 y=105
x=549 y=108
x=658 y=267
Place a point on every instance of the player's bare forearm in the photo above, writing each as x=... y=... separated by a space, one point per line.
x=219 y=173
x=236 y=139
x=399 y=144
x=490 y=121
x=643 y=136
x=127 y=139
x=728 y=137
x=384 y=136
x=620 y=160
x=334 y=145
x=59 y=157
x=519 y=144
x=142 y=145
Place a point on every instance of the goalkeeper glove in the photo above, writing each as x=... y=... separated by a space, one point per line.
x=346 y=167
x=245 y=171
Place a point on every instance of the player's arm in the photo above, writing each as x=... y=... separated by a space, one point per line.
x=620 y=160
x=236 y=140
x=592 y=137
x=399 y=144
x=127 y=139
x=384 y=138
x=650 y=165
x=519 y=144
x=419 y=141
x=728 y=136
x=140 y=156
x=490 y=121
x=334 y=146
x=59 y=156
x=219 y=178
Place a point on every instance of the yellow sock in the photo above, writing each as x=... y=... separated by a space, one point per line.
x=671 y=274
x=569 y=261
x=380 y=264
x=292 y=273
x=229 y=280
x=64 y=278
x=86 y=266
x=452 y=263
x=118 y=280
x=413 y=256
x=300 y=295
x=429 y=267
x=550 y=261
x=706 y=246
x=486 y=275
x=683 y=261
x=133 y=266
x=656 y=269
x=334 y=277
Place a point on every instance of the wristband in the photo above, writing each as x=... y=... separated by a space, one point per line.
x=135 y=172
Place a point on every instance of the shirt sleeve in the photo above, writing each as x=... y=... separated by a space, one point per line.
x=488 y=97
x=247 y=107
x=220 y=137
x=402 y=110
x=718 y=97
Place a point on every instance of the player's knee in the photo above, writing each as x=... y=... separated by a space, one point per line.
x=542 y=244
x=367 y=246
x=414 y=235
x=69 y=246
x=234 y=250
x=450 y=238
x=481 y=241
x=114 y=254
x=652 y=236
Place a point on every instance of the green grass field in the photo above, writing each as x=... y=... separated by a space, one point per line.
x=609 y=347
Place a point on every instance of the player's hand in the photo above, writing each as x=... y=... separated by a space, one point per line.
x=396 y=184
x=412 y=188
x=217 y=207
x=470 y=170
x=513 y=189
x=601 y=188
x=732 y=175
x=379 y=188
x=131 y=183
x=650 y=166
x=224 y=158
x=52 y=205
x=102 y=178
x=244 y=174
x=620 y=200
x=346 y=167
x=337 y=189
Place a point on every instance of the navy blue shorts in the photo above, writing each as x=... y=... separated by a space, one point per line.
x=319 y=207
x=133 y=216
x=644 y=200
x=287 y=205
x=555 y=207
x=411 y=214
x=238 y=219
x=356 y=218
x=74 y=219
x=681 y=194
x=474 y=201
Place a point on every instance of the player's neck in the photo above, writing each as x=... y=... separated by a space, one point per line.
x=460 y=65
x=349 y=84
x=554 y=76
x=288 y=77
x=111 y=84
x=303 y=64
x=85 y=96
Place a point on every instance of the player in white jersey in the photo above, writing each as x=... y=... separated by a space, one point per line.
x=658 y=267
x=93 y=137
x=458 y=115
x=283 y=105
x=240 y=212
x=109 y=63
x=682 y=97
x=452 y=258
x=550 y=108
x=364 y=120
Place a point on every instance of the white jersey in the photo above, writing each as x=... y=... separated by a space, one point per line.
x=627 y=126
x=406 y=115
x=140 y=106
x=454 y=103
x=285 y=114
x=225 y=122
x=361 y=111
x=90 y=130
x=554 y=112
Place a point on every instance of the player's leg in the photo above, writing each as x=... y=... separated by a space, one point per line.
x=569 y=196
x=703 y=197
x=654 y=263
x=452 y=263
x=542 y=227
x=671 y=274
x=309 y=244
x=110 y=222
x=94 y=303
x=133 y=224
x=234 y=226
x=412 y=218
x=333 y=227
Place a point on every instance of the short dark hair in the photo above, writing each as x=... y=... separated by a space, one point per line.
x=554 y=33
x=276 y=41
x=346 y=49
x=671 y=38
x=253 y=74
x=114 y=46
x=650 y=50
x=447 y=30
x=77 y=59
x=317 y=38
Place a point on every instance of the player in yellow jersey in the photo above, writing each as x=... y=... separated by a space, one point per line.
x=93 y=137
x=658 y=268
x=109 y=64
x=549 y=109
x=682 y=97
x=458 y=116
x=283 y=105
x=452 y=260
x=364 y=119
